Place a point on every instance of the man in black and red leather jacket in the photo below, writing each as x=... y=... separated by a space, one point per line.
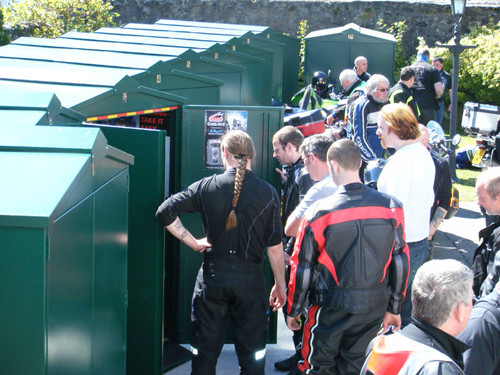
x=352 y=260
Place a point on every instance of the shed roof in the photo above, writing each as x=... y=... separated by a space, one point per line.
x=164 y=32
x=102 y=46
x=352 y=28
x=140 y=40
x=213 y=25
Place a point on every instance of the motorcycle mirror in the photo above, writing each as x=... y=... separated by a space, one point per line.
x=456 y=139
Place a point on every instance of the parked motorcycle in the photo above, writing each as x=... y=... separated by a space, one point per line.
x=438 y=141
x=482 y=121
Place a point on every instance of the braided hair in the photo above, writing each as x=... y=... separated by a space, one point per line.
x=240 y=147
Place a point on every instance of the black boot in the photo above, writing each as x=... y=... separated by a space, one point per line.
x=288 y=364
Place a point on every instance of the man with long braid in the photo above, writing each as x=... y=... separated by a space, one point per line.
x=241 y=216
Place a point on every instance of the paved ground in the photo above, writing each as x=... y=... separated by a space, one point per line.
x=456 y=239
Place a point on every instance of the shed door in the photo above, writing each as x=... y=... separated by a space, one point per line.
x=196 y=162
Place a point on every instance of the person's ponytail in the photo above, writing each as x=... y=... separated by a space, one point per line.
x=231 y=221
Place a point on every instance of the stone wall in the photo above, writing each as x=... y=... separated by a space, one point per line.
x=431 y=21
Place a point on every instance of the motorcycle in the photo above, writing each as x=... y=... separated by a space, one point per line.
x=438 y=140
x=482 y=121
x=437 y=143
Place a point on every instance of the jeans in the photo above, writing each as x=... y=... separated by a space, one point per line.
x=427 y=115
x=440 y=112
x=419 y=252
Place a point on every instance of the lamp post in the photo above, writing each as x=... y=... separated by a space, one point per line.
x=457 y=10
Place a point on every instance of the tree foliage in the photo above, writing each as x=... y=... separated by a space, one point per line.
x=479 y=71
x=4 y=35
x=398 y=30
x=301 y=34
x=52 y=18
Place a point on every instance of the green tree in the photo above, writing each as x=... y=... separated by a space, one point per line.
x=398 y=30
x=479 y=70
x=52 y=18
x=301 y=34
x=4 y=35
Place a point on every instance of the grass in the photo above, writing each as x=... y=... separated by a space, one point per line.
x=467 y=176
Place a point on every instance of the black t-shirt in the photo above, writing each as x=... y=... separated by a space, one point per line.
x=446 y=81
x=423 y=89
x=257 y=213
x=442 y=183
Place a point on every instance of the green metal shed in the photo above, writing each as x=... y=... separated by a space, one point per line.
x=63 y=252
x=335 y=50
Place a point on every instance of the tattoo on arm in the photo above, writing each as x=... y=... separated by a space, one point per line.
x=183 y=235
x=438 y=218
x=177 y=225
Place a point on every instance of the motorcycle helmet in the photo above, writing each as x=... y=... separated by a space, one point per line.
x=372 y=172
x=319 y=80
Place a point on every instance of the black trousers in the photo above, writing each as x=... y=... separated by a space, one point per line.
x=335 y=342
x=234 y=288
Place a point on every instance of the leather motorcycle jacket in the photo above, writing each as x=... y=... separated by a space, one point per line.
x=351 y=253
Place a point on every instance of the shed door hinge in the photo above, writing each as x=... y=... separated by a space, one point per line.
x=48 y=247
x=128 y=183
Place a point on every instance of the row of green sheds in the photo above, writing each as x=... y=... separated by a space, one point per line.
x=96 y=129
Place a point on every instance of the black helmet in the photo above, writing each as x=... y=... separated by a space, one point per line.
x=319 y=80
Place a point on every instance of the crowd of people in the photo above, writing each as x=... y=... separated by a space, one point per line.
x=350 y=263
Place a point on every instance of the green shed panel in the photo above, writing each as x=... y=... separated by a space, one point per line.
x=336 y=49
x=127 y=97
x=278 y=60
x=146 y=246
x=63 y=252
x=231 y=75
x=20 y=108
x=252 y=76
x=68 y=95
x=22 y=118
